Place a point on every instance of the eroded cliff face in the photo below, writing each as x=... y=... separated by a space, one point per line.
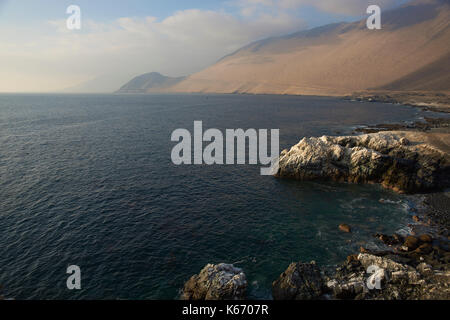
x=387 y=158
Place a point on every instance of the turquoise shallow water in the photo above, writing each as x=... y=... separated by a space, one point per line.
x=87 y=180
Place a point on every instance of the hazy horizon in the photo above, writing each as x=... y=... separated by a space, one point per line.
x=120 y=41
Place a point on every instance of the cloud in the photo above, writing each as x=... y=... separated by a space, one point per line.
x=343 y=7
x=180 y=44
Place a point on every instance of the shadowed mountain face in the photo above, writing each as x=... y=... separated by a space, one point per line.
x=433 y=77
x=411 y=52
x=149 y=82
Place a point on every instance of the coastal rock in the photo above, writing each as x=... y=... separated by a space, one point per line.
x=216 y=282
x=372 y=158
x=425 y=238
x=368 y=260
x=347 y=289
x=396 y=280
x=411 y=243
x=390 y=240
x=301 y=281
x=425 y=248
x=404 y=141
x=391 y=276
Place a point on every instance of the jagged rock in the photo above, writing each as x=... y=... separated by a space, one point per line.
x=216 y=282
x=301 y=281
x=378 y=158
x=398 y=274
x=345 y=228
x=347 y=289
x=368 y=260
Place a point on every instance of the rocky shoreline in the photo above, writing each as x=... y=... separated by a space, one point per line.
x=424 y=126
x=428 y=101
x=413 y=160
x=413 y=267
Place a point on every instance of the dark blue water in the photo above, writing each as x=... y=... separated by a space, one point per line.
x=88 y=180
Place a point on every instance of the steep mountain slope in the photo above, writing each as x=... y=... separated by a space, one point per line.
x=149 y=82
x=434 y=76
x=411 y=52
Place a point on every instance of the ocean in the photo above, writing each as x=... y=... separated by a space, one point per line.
x=88 y=180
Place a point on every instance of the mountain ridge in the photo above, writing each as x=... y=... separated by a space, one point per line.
x=410 y=52
x=149 y=82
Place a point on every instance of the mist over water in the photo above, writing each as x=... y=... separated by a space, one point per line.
x=88 y=180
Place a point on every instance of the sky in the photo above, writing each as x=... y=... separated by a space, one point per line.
x=121 y=39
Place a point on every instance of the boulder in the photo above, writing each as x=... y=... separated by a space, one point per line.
x=301 y=281
x=216 y=282
x=411 y=243
x=372 y=158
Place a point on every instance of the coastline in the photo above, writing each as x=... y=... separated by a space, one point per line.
x=413 y=267
x=416 y=266
x=426 y=100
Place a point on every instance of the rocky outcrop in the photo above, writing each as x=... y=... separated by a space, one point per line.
x=301 y=281
x=216 y=282
x=364 y=276
x=385 y=158
x=412 y=267
x=386 y=278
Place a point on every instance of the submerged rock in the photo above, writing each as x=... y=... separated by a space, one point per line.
x=216 y=282
x=345 y=228
x=301 y=281
x=372 y=158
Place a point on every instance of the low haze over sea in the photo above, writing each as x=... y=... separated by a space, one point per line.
x=88 y=180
